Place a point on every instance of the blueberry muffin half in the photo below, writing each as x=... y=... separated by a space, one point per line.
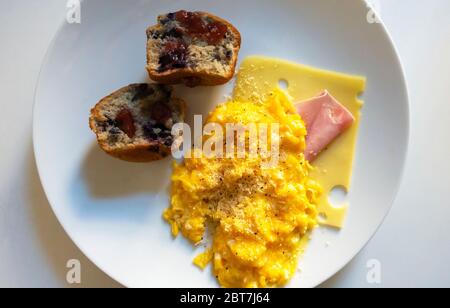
x=192 y=48
x=135 y=123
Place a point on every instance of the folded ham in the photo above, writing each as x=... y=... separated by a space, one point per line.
x=325 y=119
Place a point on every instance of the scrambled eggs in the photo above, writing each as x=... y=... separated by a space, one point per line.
x=258 y=215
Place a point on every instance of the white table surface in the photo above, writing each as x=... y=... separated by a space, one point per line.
x=413 y=244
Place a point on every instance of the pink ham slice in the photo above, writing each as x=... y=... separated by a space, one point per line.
x=325 y=119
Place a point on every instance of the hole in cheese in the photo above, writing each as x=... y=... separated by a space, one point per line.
x=322 y=217
x=338 y=196
x=283 y=84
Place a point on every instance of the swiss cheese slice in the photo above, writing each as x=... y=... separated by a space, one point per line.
x=258 y=76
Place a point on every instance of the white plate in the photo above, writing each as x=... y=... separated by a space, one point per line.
x=112 y=209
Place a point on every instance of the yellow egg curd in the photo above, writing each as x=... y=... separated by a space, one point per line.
x=259 y=213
